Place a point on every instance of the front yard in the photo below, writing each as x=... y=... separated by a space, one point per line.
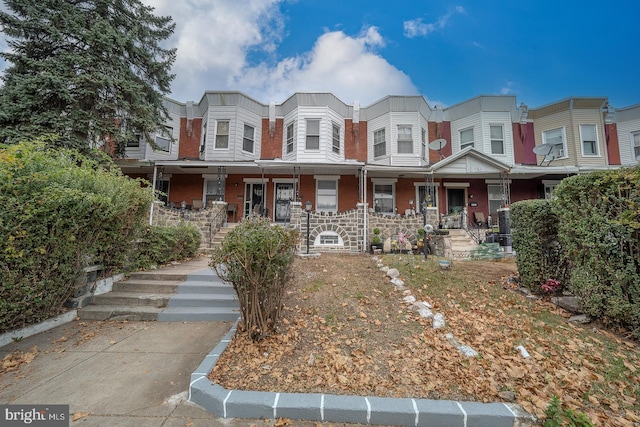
x=346 y=330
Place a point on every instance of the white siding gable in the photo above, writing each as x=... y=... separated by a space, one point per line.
x=237 y=118
x=628 y=125
x=324 y=153
x=172 y=154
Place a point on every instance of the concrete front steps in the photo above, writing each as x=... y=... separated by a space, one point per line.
x=148 y=296
x=217 y=238
x=461 y=243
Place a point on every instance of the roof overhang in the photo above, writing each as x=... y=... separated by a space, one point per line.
x=469 y=162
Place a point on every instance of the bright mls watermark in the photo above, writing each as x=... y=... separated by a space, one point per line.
x=34 y=415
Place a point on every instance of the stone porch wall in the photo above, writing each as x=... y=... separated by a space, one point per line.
x=202 y=218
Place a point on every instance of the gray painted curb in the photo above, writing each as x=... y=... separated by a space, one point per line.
x=28 y=331
x=346 y=409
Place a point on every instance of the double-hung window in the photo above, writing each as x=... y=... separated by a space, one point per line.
x=290 y=138
x=405 y=139
x=222 y=134
x=247 y=139
x=134 y=141
x=336 y=138
x=497 y=139
x=423 y=140
x=163 y=139
x=555 y=138
x=466 y=138
x=589 y=140
x=327 y=195
x=379 y=143
x=635 y=144
x=313 y=134
x=383 y=198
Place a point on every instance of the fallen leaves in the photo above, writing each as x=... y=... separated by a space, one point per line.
x=13 y=361
x=392 y=352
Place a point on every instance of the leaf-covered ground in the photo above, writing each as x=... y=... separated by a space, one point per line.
x=346 y=330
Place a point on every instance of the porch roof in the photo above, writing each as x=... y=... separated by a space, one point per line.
x=469 y=162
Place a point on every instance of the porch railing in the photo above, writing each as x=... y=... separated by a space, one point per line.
x=217 y=221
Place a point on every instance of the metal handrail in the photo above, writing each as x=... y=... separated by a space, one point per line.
x=217 y=221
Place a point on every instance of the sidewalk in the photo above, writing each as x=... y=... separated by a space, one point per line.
x=119 y=373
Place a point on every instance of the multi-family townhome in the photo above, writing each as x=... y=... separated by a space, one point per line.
x=398 y=157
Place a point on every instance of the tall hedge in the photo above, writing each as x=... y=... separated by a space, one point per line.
x=60 y=212
x=535 y=239
x=599 y=228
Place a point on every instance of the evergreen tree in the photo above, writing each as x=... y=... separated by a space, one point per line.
x=89 y=71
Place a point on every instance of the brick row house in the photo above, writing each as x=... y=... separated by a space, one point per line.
x=396 y=158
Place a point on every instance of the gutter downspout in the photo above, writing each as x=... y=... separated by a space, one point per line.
x=366 y=211
x=153 y=187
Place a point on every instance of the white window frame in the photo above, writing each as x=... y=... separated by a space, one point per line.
x=222 y=143
x=335 y=137
x=321 y=239
x=404 y=144
x=135 y=141
x=379 y=142
x=497 y=140
x=635 y=145
x=379 y=195
x=466 y=143
x=595 y=143
x=289 y=136
x=422 y=188
x=248 y=139
x=564 y=153
x=423 y=140
x=327 y=193
x=312 y=140
x=549 y=186
x=498 y=190
x=203 y=144
x=163 y=140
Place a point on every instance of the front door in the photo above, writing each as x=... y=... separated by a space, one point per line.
x=253 y=199
x=455 y=200
x=284 y=197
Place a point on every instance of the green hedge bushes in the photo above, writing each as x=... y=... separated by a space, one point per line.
x=256 y=258
x=535 y=240
x=159 y=245
x=599 y=228
x=588 y=238
x=60 y=212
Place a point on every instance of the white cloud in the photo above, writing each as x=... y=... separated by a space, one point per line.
x=349 y=67
x=507 y=89
x=215 y=38
x=417 y=28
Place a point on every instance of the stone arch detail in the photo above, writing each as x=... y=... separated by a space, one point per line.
x=336 y=228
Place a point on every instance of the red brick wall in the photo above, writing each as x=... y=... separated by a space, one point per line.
x=189 y=146
x=272 y=141
x=185 y=187
x=355 y=140
x=613 y=145
x=523 y=143
x=437 y=131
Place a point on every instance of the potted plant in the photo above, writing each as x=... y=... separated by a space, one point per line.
x=376 y=240
x=420 y=243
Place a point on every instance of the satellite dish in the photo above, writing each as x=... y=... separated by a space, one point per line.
x=542 y=150
x=428 y=228
x=550 y=151
x=437 y=144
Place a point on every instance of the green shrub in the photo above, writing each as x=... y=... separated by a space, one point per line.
x=61 y=212
x=535 y=240
x=599 y=228
x=159 y=245
x=256 y=258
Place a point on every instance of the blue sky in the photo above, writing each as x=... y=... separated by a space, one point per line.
x=541 y=51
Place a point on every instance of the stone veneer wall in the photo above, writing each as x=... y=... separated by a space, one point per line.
x=349 y=226
x=202 y=218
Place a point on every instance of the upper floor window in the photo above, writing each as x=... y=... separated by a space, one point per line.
x=635 y=141
x=247 y=140
x=556 y=139
x=313 y=134
x=379 y=143
x=466 y=138
x=222 y=134
x=497 y=139
x=134 y=141
x=336 y=138
x=290 y=138
x=423 y=140
x=327 y=195
x=589 y=140
x=405 y=139
x=163 y=139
